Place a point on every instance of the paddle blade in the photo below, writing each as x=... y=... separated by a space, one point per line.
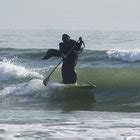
x=45 y=81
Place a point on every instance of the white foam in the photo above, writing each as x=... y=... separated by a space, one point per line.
x=125 y=55
x=34 y=86
x=29 y=88
x=10 y=70
x=74 y=125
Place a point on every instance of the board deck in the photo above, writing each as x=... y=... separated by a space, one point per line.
x=74 y=86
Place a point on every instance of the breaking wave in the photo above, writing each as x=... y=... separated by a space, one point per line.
x=125 y=55
x=10 y=70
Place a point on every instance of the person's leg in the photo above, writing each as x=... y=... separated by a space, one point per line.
x=68 y=74
x=64 y=74
x=73 y=75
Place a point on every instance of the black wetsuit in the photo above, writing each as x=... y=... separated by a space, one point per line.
x=68 y=68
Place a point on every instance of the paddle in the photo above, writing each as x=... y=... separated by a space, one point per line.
x=46 y=80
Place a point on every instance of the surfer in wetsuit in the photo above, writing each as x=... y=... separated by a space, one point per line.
x=68 y=50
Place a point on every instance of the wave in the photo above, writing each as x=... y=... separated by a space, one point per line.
x=107 y=79
x=111 y=78
x=124 y=55
x=22 y=53
x=117 y=88
x=88 y=56
x=33 y=87
x=10 y=70
x=32 y=56
x=28 y=88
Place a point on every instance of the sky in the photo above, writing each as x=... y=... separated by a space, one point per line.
x=70 y=14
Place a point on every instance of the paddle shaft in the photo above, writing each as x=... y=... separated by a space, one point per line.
x=54 y=69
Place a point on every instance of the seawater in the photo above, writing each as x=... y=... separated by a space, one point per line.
x=111 y=60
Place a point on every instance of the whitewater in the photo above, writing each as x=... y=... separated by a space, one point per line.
x=111 y=61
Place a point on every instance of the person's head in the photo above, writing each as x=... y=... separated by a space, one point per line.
x=65 y=38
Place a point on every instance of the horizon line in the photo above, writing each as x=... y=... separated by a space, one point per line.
x=69 y=29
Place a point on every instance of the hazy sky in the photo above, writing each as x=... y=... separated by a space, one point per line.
x=70 y=14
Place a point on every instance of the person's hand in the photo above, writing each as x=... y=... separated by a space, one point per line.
x=80 y=39
x=63 y=56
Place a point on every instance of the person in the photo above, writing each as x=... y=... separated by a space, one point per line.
x=68 y=50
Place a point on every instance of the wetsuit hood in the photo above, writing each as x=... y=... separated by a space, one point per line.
x=65 y=38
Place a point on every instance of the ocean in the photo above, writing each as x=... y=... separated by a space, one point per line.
x=110 y=60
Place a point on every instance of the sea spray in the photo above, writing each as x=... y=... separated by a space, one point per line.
x=29 y=88
x=10 y=70
x=32 y=87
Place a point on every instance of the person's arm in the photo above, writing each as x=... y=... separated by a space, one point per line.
x=79 y=47
x=51 y=53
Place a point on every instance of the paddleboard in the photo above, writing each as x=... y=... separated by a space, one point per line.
x=73 y=91
x=80 y=87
